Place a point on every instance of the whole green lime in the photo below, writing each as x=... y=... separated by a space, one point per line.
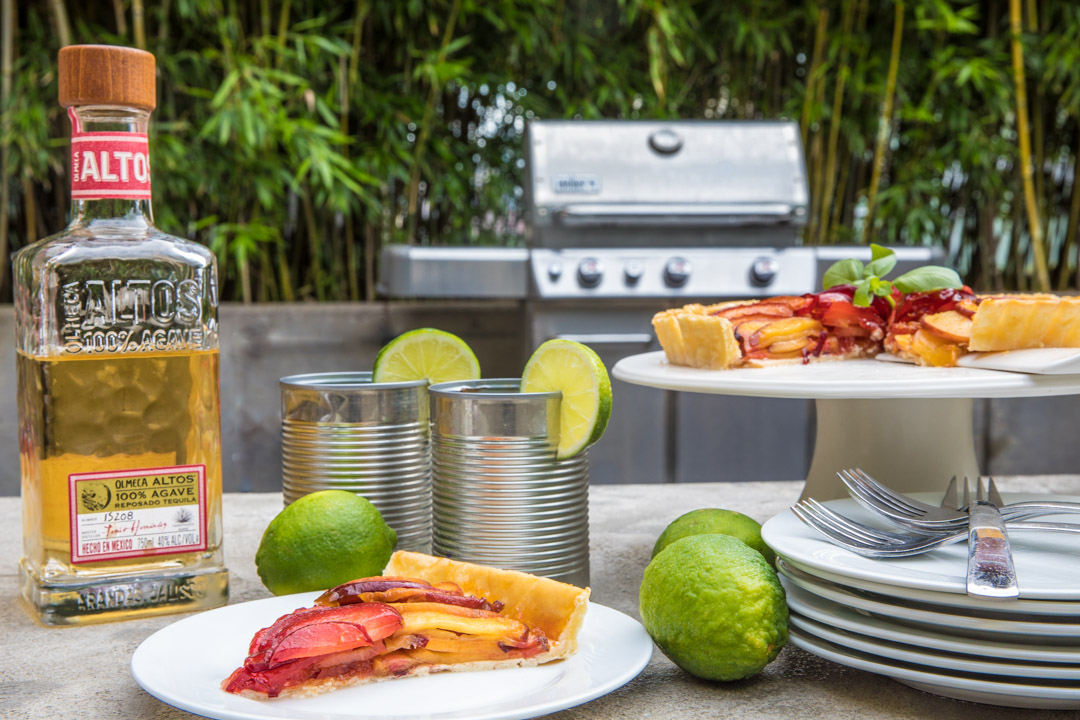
x=322 y=540
x=715 y=607
x=707 y=521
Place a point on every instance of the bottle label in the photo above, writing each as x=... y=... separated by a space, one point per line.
x=137 y=513
x=142 y=315
x=108 y=164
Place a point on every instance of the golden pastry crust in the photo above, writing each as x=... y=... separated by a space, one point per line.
x=1017 y=322
x=693 y=336
x=556 y=608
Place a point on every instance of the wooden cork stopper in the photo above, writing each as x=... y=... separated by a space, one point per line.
x=107 y=75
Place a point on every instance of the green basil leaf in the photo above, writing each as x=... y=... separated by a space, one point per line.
x=843 y=272
x=927 y=278
x=877 y=251
x=881 y=288
x=881 y=266
x=862 y=294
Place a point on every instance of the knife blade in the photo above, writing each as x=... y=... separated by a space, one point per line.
x=990 y=570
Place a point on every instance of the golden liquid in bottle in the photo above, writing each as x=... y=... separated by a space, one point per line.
x=109 y=413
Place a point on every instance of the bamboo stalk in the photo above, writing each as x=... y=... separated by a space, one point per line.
x=1018 y=257
x=1042 y=273
x=138 y=23
x=344 y=73
x=362 y=11
x=284 y=279
x=121 y=17
x=350 y=258
x=1074 y=218
x=337 y=256
x=987 y=246
x=352 y=82
x=817 y=155
x=267 y=289
x=1038 y=134
x=369 y=261
x=885 y=122
x=7 y=52
x=842 y=72
x=556 y=27
x=60 y=18
x=812 y=74
x=163 y=26
x=425 y=125
x=245 y=280
x=841 y=195
x=30 y=211
x=314 y=247
x=830 y=153
x=283 y=29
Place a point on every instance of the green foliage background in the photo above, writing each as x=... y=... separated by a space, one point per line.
x=296 y=137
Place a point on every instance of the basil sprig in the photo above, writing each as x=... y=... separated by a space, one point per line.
x=869 y=279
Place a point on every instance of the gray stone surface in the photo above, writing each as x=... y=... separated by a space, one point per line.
x=49 y=673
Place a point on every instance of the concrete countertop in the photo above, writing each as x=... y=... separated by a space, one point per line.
x=49 y=673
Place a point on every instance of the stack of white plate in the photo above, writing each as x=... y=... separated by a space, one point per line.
x=911 y=619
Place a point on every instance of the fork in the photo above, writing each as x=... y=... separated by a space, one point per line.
x=874 y=542
x=922 y=517
x=951 y=501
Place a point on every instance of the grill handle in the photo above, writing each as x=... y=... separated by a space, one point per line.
x=609 y=338
x=679 y=214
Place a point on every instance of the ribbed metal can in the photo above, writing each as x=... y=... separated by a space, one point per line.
x=499 y=494
x=341 y=431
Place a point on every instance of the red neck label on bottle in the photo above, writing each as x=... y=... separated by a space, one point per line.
x=108 y=165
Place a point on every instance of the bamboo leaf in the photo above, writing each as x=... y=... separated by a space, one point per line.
x=226 y=87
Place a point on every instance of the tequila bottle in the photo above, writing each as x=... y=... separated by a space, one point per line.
x=117 y=360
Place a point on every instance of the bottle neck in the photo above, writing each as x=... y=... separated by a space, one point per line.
x=110 y=166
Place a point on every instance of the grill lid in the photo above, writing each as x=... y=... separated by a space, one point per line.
x=705 y=183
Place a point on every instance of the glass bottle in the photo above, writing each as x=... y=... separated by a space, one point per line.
x=117 y=359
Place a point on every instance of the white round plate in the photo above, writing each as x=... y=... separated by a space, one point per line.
x=946 y=661
x=1020 y=606
x=847 y=379
x=1047 y=565
x=983 y=626
x=183 y=665
x=1024 y=695
x=837 y=616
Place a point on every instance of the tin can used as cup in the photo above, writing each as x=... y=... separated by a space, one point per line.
x=341 y=431
x=499 y=494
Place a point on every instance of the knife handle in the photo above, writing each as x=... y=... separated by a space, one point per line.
x=990 y=571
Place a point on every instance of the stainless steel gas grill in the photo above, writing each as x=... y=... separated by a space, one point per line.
x=626 y=218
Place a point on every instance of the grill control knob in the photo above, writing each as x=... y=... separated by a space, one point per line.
x=763 y=271
x=633 y=272
x=589 y=272
x=555 y=270
x=676 y=272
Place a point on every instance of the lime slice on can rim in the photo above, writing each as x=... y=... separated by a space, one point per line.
x=577 y=372
x=427 y=353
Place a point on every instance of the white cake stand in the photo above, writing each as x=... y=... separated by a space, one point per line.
x=910 y=427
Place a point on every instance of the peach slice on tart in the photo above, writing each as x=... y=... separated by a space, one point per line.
x=950 y=325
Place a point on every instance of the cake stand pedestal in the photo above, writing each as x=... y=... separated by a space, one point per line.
x=909 y=427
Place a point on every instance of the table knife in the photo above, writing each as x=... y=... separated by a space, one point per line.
x=990 y=570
